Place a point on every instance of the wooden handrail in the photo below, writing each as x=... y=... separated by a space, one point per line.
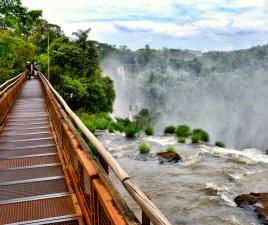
x=147 y=206
x=9 y=91
x=9 y=83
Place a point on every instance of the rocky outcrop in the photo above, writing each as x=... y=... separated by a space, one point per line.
x=170 y=156
x=258 y=202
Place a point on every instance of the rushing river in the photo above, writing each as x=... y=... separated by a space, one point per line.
x=201 y=188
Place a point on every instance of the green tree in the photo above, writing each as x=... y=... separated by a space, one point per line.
x=67 y=56
x=14 y=51
x=92 y=62
x=73 y=91
x=101 y=95
x=16 y=17
x=81 y=41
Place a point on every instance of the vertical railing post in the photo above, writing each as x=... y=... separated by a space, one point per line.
x=104 y=164
x=145 y=220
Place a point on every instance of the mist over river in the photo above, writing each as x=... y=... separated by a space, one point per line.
x=223 y=93
x=199 y=190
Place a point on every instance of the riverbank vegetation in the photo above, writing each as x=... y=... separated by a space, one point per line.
x=131 y=128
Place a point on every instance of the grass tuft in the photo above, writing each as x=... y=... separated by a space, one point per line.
x=181 y=140
x=171 y=149
x=183 y=131
x=199 y=135
x=170 y=130
x=144 y=148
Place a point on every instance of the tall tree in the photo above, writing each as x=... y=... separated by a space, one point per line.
x=81 y=41
x=82 y=36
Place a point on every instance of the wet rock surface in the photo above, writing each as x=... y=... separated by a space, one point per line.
x=170 y=156
x=255 y=202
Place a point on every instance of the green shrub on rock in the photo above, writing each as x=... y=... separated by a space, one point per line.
x=98 y=121
x=131 y=130
x=181 y=140
x=183 y=131
x=171 y=149
x=266 y=151
x=220 y=144
x=201 y=135
x=144 y=148
x=170 y=130
x=195 y=138
x=111 y=128
x=149 y=130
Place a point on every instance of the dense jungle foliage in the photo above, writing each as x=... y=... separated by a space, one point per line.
x=74 y=63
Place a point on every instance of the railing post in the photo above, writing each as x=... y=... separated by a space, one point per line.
x=104 y=164
x=145 y=219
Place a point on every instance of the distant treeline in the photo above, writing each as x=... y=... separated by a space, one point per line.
x=196 y=62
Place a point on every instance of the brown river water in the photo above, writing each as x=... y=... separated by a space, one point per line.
x=200 y=189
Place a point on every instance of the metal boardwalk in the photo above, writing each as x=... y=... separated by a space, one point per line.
x=33 y=187
x=53 y=170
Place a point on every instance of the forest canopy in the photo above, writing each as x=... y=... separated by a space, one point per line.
x=74 y=63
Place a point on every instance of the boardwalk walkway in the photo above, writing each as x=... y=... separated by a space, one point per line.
x=48 y=171
x=33 y=187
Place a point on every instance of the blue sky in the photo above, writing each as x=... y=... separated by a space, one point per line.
x=186 y=24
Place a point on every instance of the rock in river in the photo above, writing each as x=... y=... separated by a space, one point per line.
x=258 y=202
x=170 y=156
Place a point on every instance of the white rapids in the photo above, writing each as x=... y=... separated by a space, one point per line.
x=200 y=189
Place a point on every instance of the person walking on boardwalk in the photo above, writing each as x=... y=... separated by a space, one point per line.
x=29 y=69
x=35 y=70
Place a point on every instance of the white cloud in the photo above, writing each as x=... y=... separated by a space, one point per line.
x=169 y=29
x=246 y=3
x=215 y=20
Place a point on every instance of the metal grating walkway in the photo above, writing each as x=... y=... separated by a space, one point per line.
x=33 y=188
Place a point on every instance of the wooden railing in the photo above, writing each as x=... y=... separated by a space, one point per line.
x=9 y=92
x=100 y=201
x=90 y=173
